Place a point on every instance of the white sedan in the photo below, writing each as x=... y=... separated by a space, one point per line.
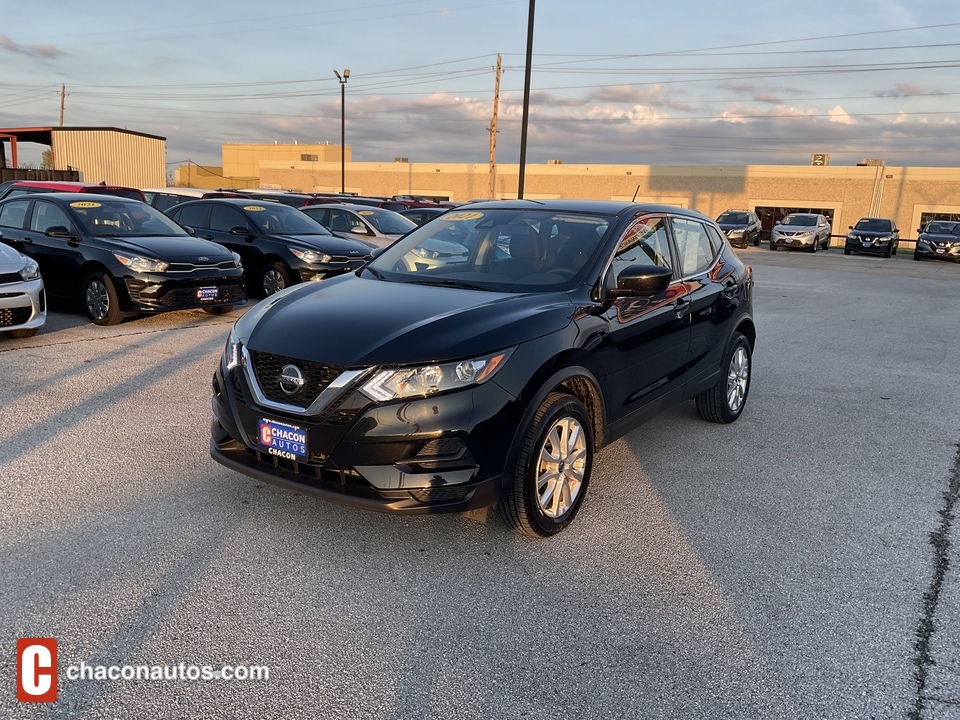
x=23 y=306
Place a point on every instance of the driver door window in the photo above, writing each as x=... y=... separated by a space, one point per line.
x=644 y=243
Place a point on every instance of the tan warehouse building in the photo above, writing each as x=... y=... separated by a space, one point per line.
x=911 y=196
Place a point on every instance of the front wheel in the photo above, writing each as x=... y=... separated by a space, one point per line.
x=724 y=402
x=100 y=300
x=274 y=278
x=916 y=255
x=846 y=251
x=552 y=471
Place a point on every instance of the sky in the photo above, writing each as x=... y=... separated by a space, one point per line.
x=612 y=81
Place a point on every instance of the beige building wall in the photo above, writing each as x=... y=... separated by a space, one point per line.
x=243 y=160
x=111 y=155
x=851 y=192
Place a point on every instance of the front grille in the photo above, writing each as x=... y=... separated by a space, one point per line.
x=10 y=295
x=14 y=316
x=43 y=301
x=188 y=267
x=314 y=475
x=317 y=376
x=6 y=278
x=187 y=297
x=135 y=287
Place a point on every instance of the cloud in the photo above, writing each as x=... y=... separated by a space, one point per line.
x=40 y=51
x=627 y=94
x=905 y=90
x=839 y=115
x=446 y=14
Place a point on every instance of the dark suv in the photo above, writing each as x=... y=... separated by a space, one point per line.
x=873 y=235
x=491 y=377
x=742 y=227
x=280 y=246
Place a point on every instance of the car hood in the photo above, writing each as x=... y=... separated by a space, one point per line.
x=169 y=249
x=795 y=228
x=329 y=244
x=10 y=260
x=354 y=321
x=732 y=226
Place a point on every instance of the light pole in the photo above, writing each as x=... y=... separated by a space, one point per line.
x=343 y=128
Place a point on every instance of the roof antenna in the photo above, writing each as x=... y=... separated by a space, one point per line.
x=635 y=194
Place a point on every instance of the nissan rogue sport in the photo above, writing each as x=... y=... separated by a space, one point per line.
x=491 y=378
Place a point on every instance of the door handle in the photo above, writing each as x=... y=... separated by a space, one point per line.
x=681 y=306
x=730 y=289
x=207 y=237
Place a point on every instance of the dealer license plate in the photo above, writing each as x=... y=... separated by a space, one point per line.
x=940 y=251
x=283 y=440
x=208 y=293
x=866 y=244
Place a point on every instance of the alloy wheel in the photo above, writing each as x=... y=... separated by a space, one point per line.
x=737 y=377
x=561 y=467
x=273 y=282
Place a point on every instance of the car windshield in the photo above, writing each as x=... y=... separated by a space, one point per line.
x=500 y=250
x=387 y=221
x=799 y=220
x=734 y=218
x=943 y=228
x=275 y=218
x=115 y=216
x=874 y=225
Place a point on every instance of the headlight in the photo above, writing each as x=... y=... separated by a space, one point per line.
x=396 y=383
x=851 y=236
x=141 y=264
x=922 y=241
x=236 y=260
x=424 y=253
x=30 y=271
x=311 y=256
x=735 y=231
x=232 y=353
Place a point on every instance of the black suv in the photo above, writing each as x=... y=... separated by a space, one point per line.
x=492 y=377
x=280 y=246
x=118 y=256
x=874 y=235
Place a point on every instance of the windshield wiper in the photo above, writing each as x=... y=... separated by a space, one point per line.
x=450 y=283
x=376 y=273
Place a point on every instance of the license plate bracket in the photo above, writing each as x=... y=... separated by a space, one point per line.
x=282 y=439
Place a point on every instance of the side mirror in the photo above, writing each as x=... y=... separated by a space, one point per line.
x=642 y=281
x=850 y=227
x=60 y=231
x=189 y=229
x=919 y=230
x=359 y=230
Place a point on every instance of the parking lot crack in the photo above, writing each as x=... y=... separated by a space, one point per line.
x=940 y=541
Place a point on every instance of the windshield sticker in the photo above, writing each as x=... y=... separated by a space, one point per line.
x=84 y=204
x=254 y=208
x=461 y=216
x=365 y=212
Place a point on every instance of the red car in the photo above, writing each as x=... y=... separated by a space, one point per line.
x=22 y=187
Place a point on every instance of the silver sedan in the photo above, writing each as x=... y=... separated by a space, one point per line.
x=23 y=307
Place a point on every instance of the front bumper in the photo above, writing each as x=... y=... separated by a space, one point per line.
x=23 y=305
x=159 y=292
x=321 y=272
x=951 y=254
x=877 y=247
x=444 y=453
x=793 y=242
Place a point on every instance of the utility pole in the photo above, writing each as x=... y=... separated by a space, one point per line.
x=63 y=97
x=493 y=134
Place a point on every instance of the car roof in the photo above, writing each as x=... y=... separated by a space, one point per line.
x=63 y=185
x=68 y=197
x=603 y=207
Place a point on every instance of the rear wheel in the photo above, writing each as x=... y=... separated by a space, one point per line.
x=724 y=402
x=552 y=471
x=21 y=333
x=100 y=300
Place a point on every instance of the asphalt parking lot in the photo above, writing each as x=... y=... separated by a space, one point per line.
x=800 y=563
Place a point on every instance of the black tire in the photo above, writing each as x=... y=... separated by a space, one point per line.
x=772 y=246
x=813 y=248
x=21 y=333
x=563 y=420
x=916 y=255
x=889 y=251
x=756 y=240
x=99 y=298
x=218 y=309
x=274 y=277
x=846 y=251
x=716 y=404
